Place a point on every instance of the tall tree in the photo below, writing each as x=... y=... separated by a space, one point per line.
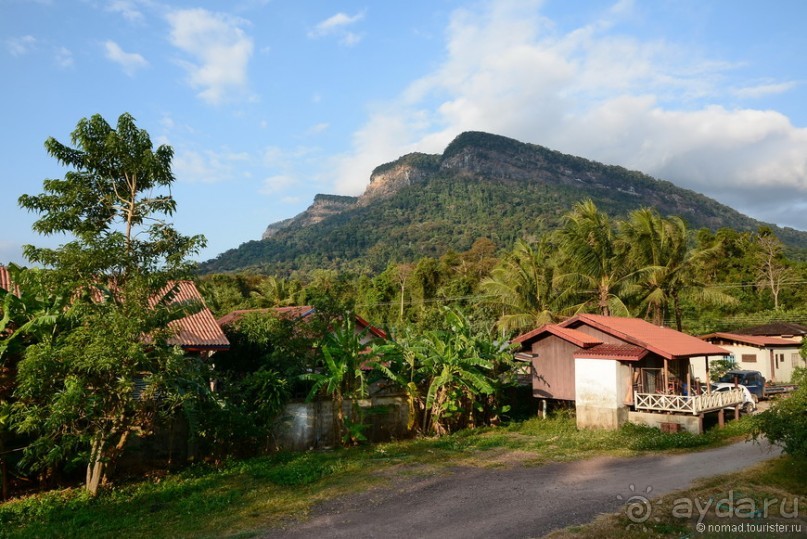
x=113 y=189
x=593 y=260
x=105 y=378
x=522 y=287
x=772 y=271
x=659 y=246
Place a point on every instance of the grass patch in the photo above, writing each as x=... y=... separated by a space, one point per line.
x=768 y=500
x=246 y=496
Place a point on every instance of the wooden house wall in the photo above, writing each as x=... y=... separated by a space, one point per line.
x=553 y=369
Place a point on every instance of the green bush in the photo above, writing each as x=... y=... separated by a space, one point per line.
x=785 y=423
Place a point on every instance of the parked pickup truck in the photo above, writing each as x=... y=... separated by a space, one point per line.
x=753 y=380
x=774 y=390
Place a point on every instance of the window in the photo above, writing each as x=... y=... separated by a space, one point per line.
x=749 y=358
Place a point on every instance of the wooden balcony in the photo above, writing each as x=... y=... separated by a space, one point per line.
x=685 y=404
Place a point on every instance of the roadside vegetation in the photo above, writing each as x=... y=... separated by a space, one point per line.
x=244 y=497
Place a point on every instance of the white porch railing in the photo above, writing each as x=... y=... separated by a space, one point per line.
x=689 y=404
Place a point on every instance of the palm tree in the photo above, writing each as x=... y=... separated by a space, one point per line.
x=596 y=269
x=522 y=286
x=659 y=247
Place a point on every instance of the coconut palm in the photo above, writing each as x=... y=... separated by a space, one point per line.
x=659 y=247
x=595 y=269
x=522 y=287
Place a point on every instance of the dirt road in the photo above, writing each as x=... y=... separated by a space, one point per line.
x=516 y=501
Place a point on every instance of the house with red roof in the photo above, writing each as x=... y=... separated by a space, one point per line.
x=196 y=333
x=774 y=357
x=618 y=369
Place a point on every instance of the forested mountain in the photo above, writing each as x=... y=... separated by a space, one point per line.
x=483 y=185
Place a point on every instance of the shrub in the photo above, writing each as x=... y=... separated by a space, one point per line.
x=785 y=423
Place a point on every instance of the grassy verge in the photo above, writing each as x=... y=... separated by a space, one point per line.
x=769 y=500
x=243 y=497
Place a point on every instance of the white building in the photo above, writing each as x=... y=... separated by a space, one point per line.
x=774 y=357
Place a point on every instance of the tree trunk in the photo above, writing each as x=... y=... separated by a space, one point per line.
x=338 y=416
x=95 y=467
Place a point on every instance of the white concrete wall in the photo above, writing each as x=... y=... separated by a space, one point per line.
x=689 y=423
x=783 y=372
x=307 y=425
x=600 y=389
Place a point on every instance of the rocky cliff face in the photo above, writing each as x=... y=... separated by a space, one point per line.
x=388 y=179
x=323 y=207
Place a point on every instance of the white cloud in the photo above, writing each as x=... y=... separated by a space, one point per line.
x=64 y=57
x=127 y=9
x=221 y=51
x=764 y=90
x=594 y=92
x=208 y=166
x=276 y=184
x=130 y=62
x=337 y=25
x=318 y=128
x=18 y=46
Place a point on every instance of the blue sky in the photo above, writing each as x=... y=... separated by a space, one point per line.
x=268 y=102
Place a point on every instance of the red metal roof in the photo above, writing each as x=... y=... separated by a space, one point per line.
x=195 y=332
x=754 y=340
x=578 y=338
x=621 y=352
x=198 y=331
x=663 y=341
x=5 y=279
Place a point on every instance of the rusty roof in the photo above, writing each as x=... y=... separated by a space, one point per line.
x=198 y=331
x=754 y=340
x=195 y=332
x=665 y=342
x=578 y=338
x=774 y=329
x=5 y=278
x=621 y=352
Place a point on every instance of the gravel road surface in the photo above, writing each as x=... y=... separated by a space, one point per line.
x=515 y=501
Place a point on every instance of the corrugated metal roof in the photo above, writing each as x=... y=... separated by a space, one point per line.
x=774 y=329
x=577 y=338
x=663 y=341
x=620 y=352
x=5 y=279
x=198 y=331
x=755 y=340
